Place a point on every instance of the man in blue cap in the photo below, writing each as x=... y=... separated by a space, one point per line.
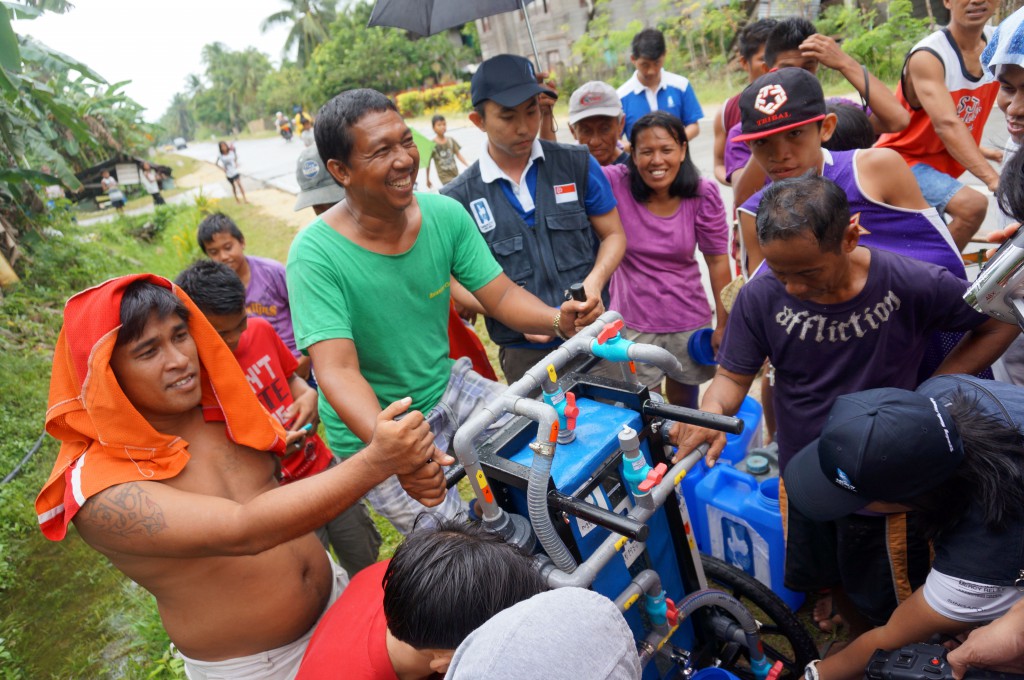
x=545 y=209
x=953 y=451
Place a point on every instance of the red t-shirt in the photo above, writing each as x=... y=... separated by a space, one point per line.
x=268 y=364
x=350 y=640
x=463 y=342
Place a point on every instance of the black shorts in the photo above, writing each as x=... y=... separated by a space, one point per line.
x=882 y=560
x=878 y=560
x=234 y=178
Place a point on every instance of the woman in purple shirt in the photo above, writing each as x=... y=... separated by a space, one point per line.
x=668 y=210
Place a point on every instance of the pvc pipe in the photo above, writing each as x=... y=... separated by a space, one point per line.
x=647 y=581
x=659 y=357
x=535 y=377
x=540 y=474
x=583 y=576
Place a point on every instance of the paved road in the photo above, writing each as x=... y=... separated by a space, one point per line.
x=272 y=160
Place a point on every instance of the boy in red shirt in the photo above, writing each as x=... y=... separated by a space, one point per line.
x=405 y=617
x=270 y=368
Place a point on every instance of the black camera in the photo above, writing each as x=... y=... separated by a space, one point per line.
x=922 y=661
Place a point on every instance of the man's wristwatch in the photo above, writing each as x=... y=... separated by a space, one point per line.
x=811 y=670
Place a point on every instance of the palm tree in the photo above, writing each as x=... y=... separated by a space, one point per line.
x=309 y=21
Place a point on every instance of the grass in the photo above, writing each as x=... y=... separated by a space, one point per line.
x=64 y=611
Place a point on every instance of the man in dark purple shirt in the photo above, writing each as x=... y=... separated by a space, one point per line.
x=835 y=317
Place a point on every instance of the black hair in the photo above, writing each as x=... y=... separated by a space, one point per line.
x=754 y=36
x=141 y=300
x=445 y=582
x=687 y=180
x=853 y=129
x=214 y=224
x=990 y=477
x=221 y=146
x=1010 y=194
x=648 y=44
x=809 y=205
x=787 y=35
x=213 y=286
x=481 y=108
x=333 y=131
x=435 y=119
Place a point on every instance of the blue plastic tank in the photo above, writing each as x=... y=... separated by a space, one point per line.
x=735 y=451
x=737 y=445
x=744 y=526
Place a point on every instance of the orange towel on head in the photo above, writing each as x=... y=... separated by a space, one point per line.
x=104 y=439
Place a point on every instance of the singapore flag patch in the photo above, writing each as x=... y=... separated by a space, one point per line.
x=565 y=193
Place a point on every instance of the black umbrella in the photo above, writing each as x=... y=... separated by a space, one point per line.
x=427 y=17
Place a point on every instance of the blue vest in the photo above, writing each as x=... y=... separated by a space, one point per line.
x=558 y=251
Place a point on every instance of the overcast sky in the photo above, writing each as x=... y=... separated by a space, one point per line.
x=155 y=43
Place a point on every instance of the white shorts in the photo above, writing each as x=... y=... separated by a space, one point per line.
x=969 y=601
x=281 y=663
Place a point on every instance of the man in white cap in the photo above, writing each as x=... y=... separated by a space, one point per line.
x=317 y=189
x=597 y=121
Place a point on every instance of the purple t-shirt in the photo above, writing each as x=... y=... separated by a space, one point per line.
x=919 y=234
x=736 y=153
x=657 y=286
x=820 y=352
x=266 y=296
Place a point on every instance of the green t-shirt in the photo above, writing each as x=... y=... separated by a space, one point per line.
x=393 y=307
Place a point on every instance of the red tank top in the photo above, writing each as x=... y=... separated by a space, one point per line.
x=973 y=96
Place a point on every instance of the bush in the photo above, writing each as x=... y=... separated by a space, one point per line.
x=451 y=98
x=880 y=46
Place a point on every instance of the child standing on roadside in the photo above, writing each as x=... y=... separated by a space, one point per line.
x=446 y=150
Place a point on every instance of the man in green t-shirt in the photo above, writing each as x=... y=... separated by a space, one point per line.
x=370 y=286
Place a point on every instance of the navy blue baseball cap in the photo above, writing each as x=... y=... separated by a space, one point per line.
x=877 y=445
x=506 y=79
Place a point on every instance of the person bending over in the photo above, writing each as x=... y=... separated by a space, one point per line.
x=953 y=451
x=404 y=617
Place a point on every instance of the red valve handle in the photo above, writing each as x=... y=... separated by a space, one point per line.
x=654 y=478
x=572 y=411
x=671 y=613
x=609 y=331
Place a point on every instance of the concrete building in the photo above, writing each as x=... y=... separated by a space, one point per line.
x=556 y=23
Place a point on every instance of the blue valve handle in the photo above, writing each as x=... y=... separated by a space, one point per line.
x=613 y=349
x=634 y=471
x=657 y=608
x=556 y=399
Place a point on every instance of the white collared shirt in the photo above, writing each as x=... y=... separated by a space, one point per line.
x=490 y=172
x=636 y=87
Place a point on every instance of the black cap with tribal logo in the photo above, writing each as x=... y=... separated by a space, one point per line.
x=780 y=100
